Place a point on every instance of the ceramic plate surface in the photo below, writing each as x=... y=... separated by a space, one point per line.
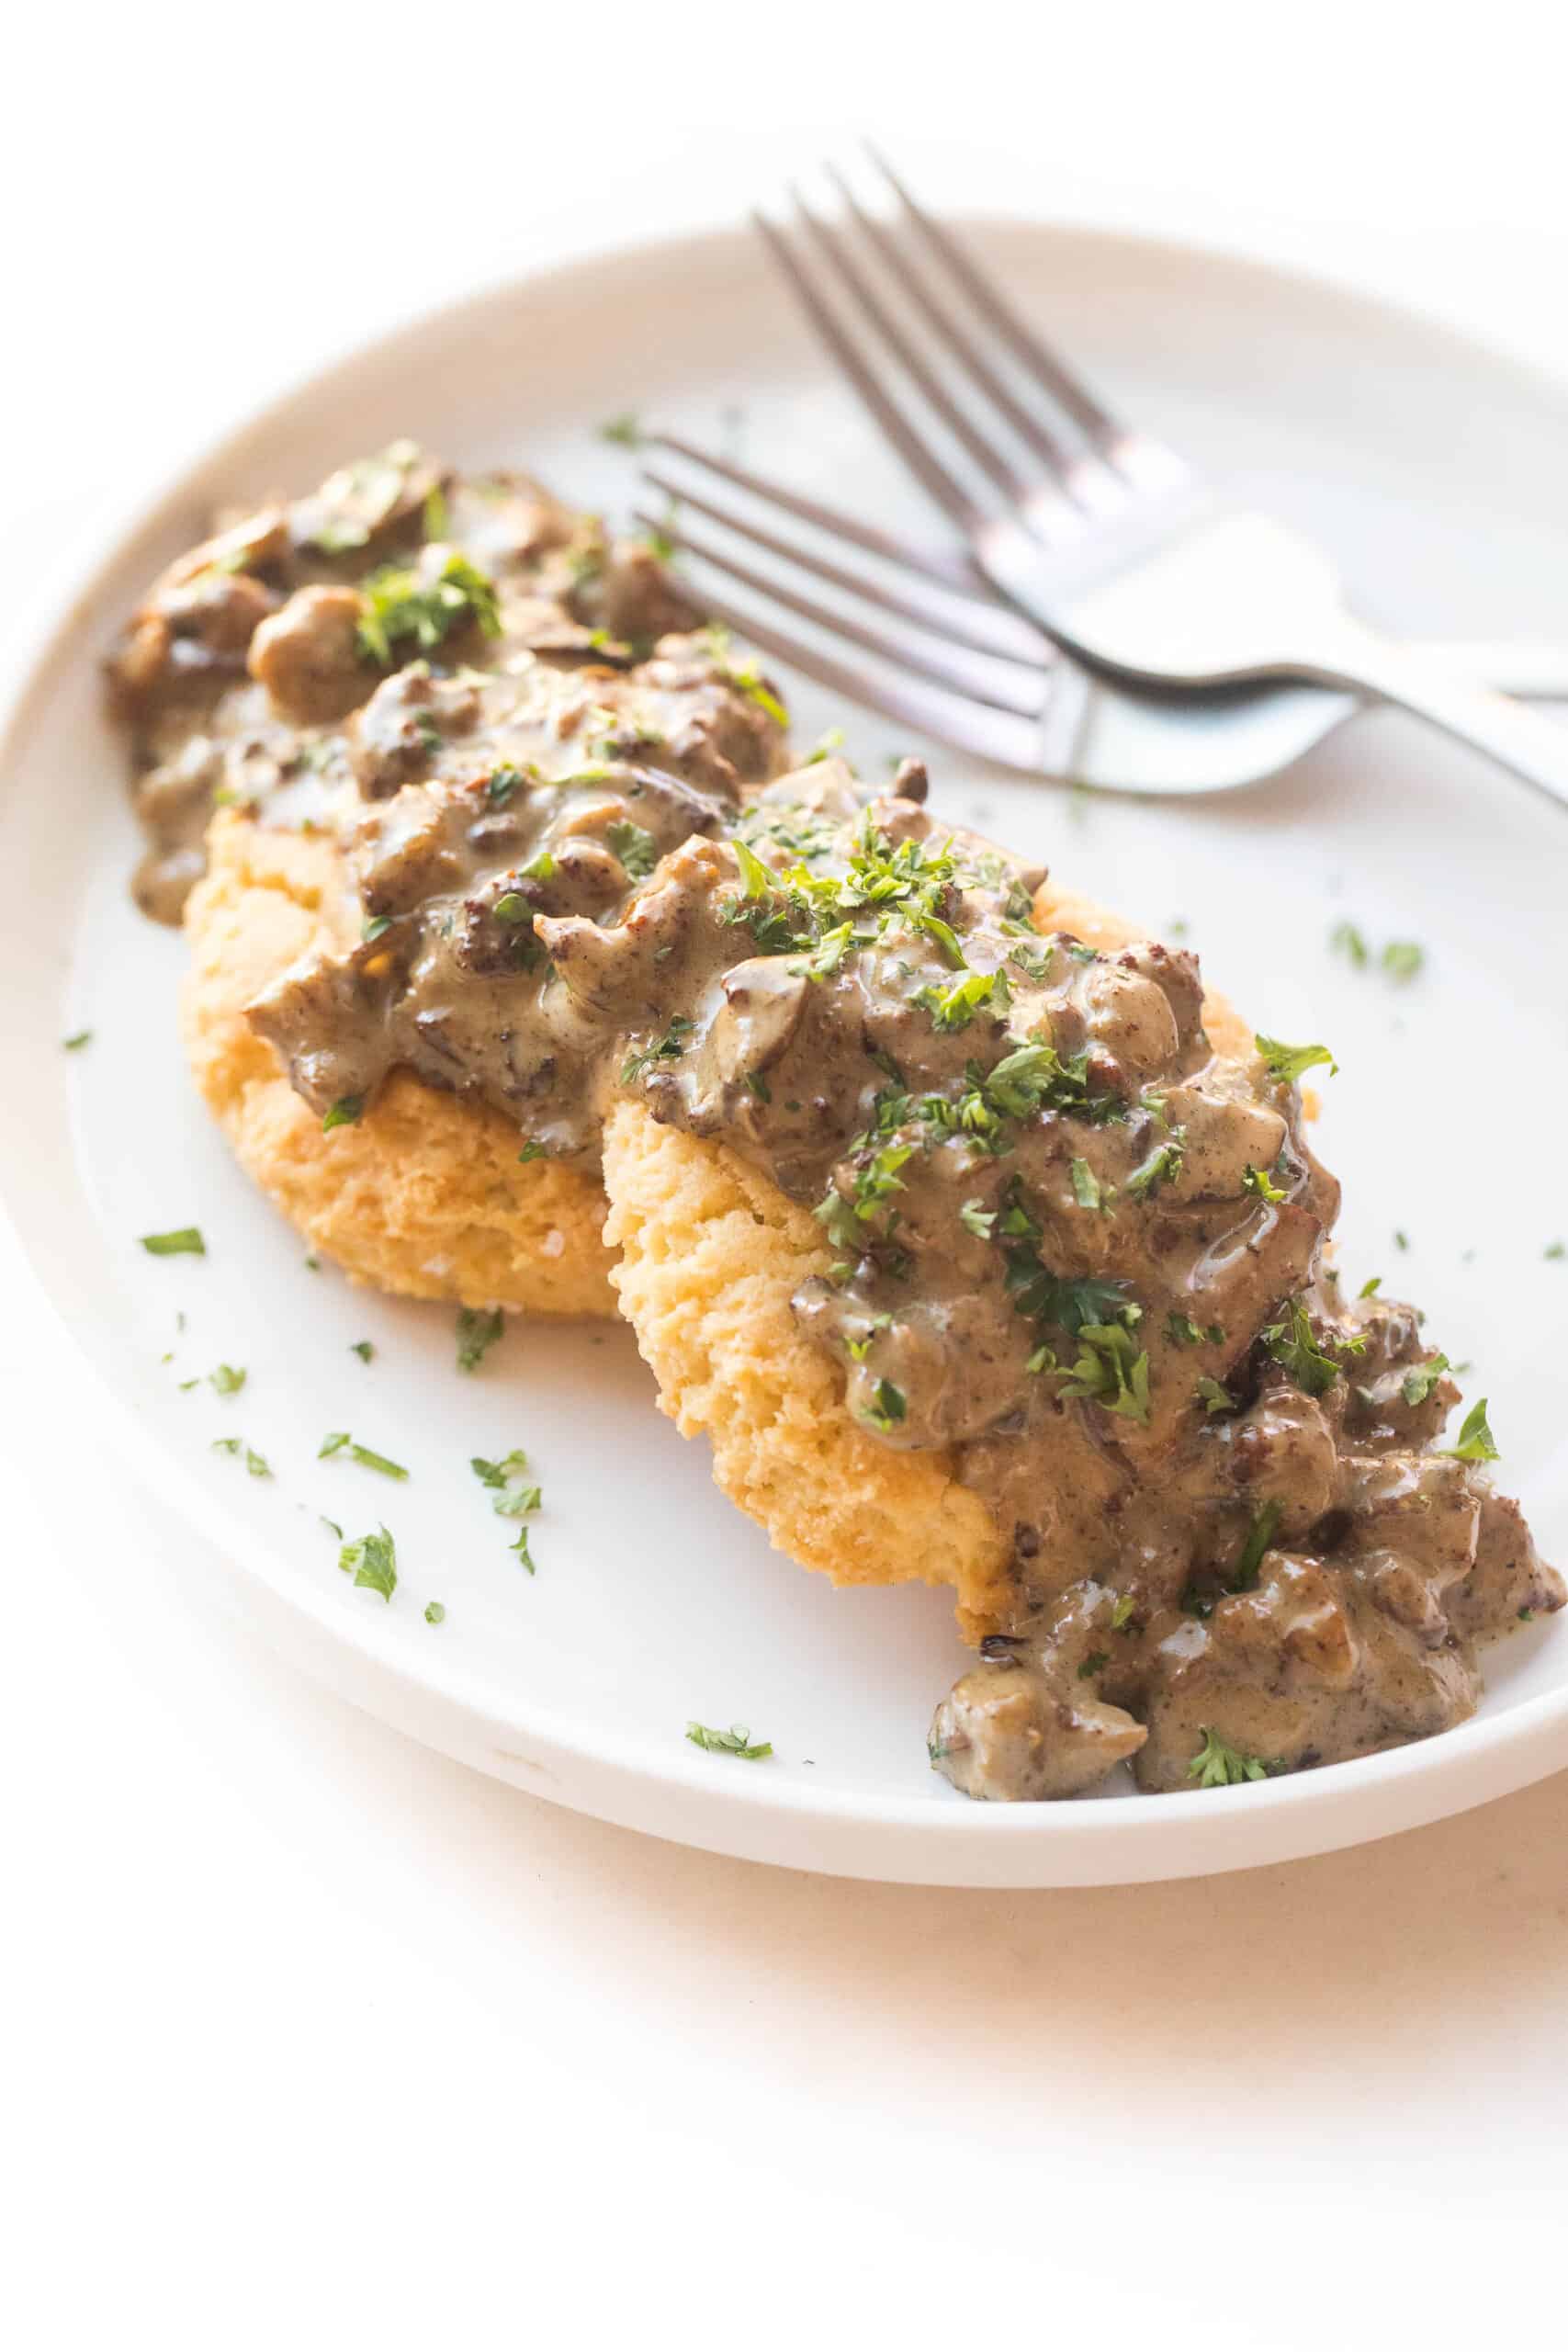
x=654 y=1602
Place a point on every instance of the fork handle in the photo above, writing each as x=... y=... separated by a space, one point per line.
x=1517 y=739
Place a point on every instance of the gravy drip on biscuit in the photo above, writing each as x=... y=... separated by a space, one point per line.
x=1074 y=1247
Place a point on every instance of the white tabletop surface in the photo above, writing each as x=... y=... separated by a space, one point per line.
x=316 y=2037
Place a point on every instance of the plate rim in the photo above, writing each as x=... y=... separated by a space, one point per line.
x=1127 y=1840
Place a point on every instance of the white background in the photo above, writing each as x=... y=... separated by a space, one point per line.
x=313 y=2038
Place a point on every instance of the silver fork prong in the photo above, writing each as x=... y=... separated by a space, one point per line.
x=1146 y=463
x=835 y=251
x=989 y=630
x=921 y=461
x=1003 y=685
x=1028 y=427
x=953 y=571
x=1081 y=405
x=998 y=735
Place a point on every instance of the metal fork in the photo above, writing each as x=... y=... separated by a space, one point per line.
x=1095 y=531
x=950 y=660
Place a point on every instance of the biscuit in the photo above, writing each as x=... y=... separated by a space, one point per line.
x=424 y=1194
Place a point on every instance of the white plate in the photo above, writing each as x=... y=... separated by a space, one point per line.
x=1434 y=470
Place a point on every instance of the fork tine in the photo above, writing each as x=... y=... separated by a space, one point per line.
x=997 y=735
x=1028 y=427
x=922 y=462
x=981 y=677
x=952 y=571
x=832 y=246
x=1081 y=405
x=989 y=629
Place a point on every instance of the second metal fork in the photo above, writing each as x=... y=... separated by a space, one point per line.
x=1098 y=533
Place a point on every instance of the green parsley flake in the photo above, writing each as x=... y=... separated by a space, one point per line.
x=625 y=431
x=226 y=1379
x=636 y=848
x=1086 y=1185
x=1475 y=1440
x=1286 y=1064
x=373 y=926
x=373 y=1562
x=1121 y=1613
x=1370 y=1287
x=1555 y=1250
x=403 y=604
x=1259 y=1181
x=735 y=1741
x=436 y=1612
x=339 y=1441
x=668 y=1048
x=478 y=1328
x=1213 y=1397
x=887 y=1408
x=362 y=1349
x=1217 y=1765
x=74 y=1045
x=1420 y=1381
x=185 y=1241
x=1260 y=1536
x=343 y=1112
x=254 y=1463
x=1293 y=1343
x=1349 y=942
x=1403 y=958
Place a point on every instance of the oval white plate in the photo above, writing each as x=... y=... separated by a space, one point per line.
x=654 y=1602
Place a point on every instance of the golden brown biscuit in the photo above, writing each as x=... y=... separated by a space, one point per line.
x=711 y=1253
x=424 y=1194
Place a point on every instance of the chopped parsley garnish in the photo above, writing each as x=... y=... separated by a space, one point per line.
x=955 y=1007
x=1182 y=1332
x=362 y=1349
x=1163 y=1165
x=1420 y=1381
x=1403 y=958
x=525 y=1557
x=1400 y=1240
x=513 y=1498
x=254 y=1463
x=1260 y=1536
x=735 y=1741
x=512 y=908
x=1555 y=1250
x=1293 y=1343
x=1093 y=1663
x=1213 y=1396
x=343 y=1112
x=402 y=604
x=624 y=430
x=1259 y=1181
x=1287 y=1063
x=74 y=1045
x=635 y=846
x=1086 y=1185
x=373 y=926
x=226 y=1379
x=668 y=1048
x=436 y=1612
x=888 y=1407
x=478 y=1328
x=1121 y=1613
x=373 y=1562
x=1347 y=940
x=339 y=1441
x=1370 y=1287
x=1475 y=1440
x=533 y=1149
x=1217 y=1765
x=185 y=1241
